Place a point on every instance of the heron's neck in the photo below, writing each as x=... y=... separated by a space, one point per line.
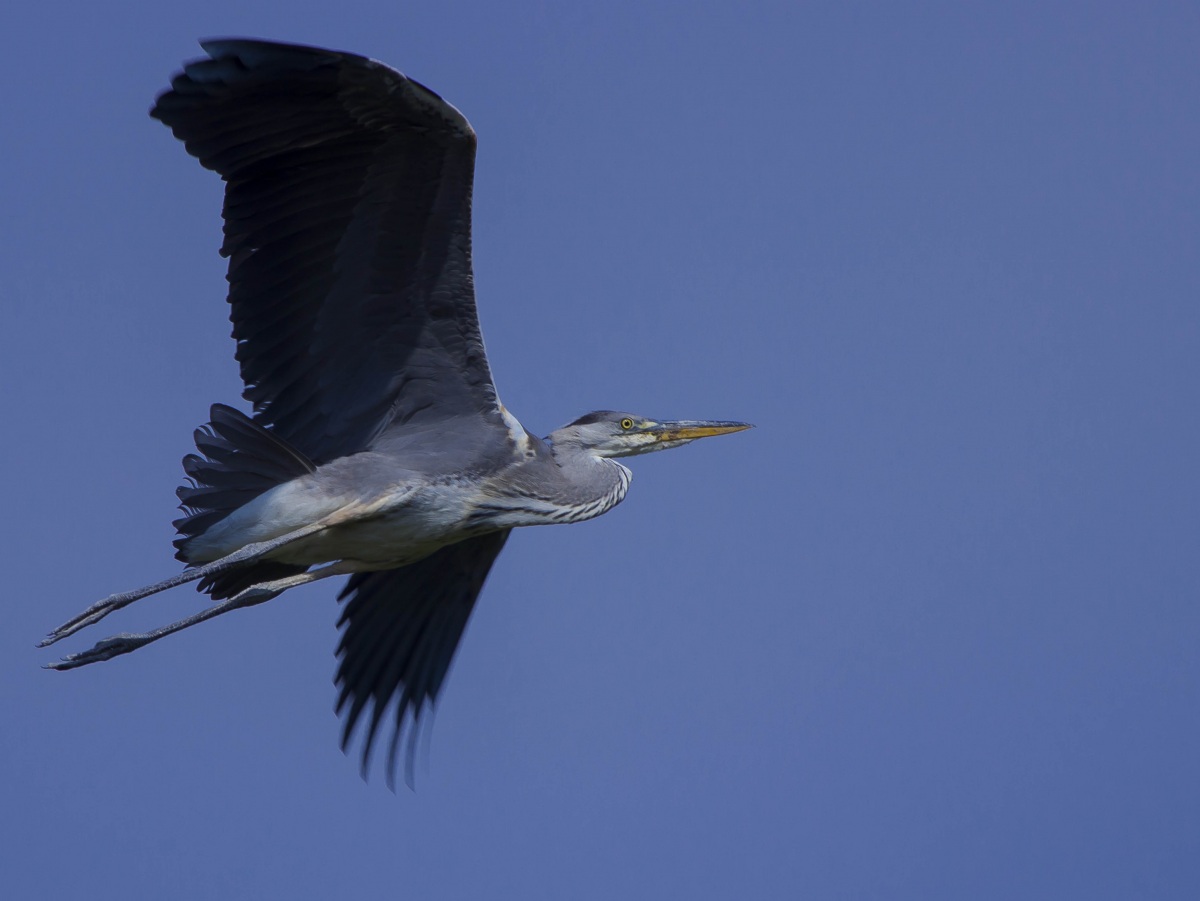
x=565 y=484
x=590 y=484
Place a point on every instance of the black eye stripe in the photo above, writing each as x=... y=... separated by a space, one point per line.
x=596 y=416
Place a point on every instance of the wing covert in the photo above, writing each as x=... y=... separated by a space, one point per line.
x=347 y=228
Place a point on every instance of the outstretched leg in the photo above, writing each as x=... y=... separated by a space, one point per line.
x=103 y=608
x=255 y=594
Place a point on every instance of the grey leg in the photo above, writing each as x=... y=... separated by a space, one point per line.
x=255 y=594
x=103 y=608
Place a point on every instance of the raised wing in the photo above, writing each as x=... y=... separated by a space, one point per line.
x=401 y=628
x=348 y=232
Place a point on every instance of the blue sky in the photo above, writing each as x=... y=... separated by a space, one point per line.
x=929 y=631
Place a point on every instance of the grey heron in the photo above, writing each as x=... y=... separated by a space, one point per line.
x=378 y=448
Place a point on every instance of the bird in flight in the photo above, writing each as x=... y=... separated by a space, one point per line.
x=378 y=448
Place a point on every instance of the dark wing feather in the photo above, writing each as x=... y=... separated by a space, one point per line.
x=347 y=227
x=401 y=628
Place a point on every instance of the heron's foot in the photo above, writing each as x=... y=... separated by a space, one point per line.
x=92 y=615
x=103 y=650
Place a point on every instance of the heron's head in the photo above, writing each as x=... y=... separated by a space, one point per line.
x=607 y=433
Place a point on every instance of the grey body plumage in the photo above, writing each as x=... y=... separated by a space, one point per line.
x=378 y=447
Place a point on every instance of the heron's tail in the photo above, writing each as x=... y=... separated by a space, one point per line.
x=238 y=461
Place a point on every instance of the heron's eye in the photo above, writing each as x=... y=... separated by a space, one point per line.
x=627 y=424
